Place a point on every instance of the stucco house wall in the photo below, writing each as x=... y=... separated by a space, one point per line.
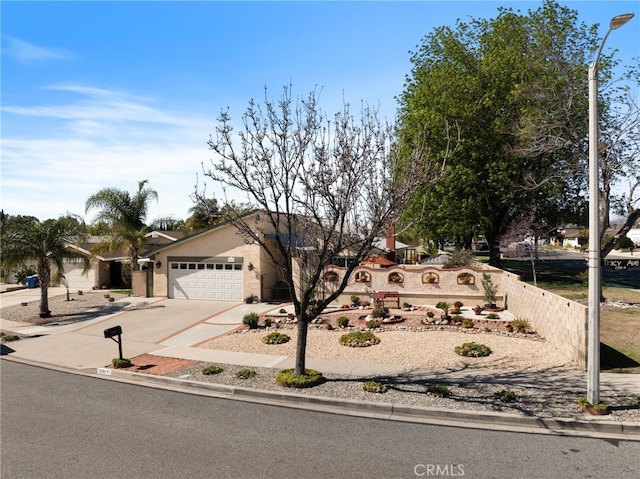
x=221 y=242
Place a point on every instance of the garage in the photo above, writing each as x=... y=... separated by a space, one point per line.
x=76 y=277
x=207 y=281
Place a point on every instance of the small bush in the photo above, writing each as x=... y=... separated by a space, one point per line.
x=492 y=316
x=374 y=387
x=372 y=324
x=355 y=300
x=359 y=339
x=505 y=396
x=251 y=320
x=379 y=311
x=458 y=304
x=473 y=350
x=444 y=306
x=287 y=378
x=9 y=337
x=245 y=374
x=328 y=327
x=457 y=319
x=463 y=257
x=430 y=314
x=467 y=323
x=282 y=311
x=406 y=305
x=275 y=338
x=121 y=363
x=440 y=391
x=268 y=322
x=520 y=325
x=343 y=321
x=211 y=369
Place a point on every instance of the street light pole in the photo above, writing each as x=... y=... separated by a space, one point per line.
x=593 y=351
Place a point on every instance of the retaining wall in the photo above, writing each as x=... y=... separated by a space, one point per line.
x=562 y=322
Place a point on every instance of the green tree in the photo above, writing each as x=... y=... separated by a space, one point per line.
x=125 y=215
x=322 y=187
x=207 y=212
x=47 y=243
x=512 y=90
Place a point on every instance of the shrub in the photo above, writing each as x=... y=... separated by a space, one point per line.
x=9 y=337
x=282 y=311
x=372 y=324
x=463 y=257
x=359 y=339
x=22 y=272
x=490 y=289
x=211 y=369
x=458 y=304
x=288 y=378
x=379 y=311
x=584 y=403
x=355 y=300
x=251 y=320
x=444 y=306
x=505 y=396
x=374 y=387
x=267 y=322
x=473 y=350
x=406 y=305
x=430 y=314
x=440 y=391
x=343 y=321
x=492 y=316
x=467 y=323
x=520 y=325
x=245 y=374
x=275 y=338
x=121 y=363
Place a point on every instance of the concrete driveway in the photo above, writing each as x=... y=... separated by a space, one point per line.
x=160 y=324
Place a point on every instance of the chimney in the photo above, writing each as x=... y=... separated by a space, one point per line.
x=391 y=242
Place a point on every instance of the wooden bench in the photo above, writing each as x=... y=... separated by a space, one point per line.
x=384 y=296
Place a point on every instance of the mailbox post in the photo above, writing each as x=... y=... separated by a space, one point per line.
x=112 y=333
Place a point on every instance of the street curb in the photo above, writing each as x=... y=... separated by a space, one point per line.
x=487 y=420
x=398 y=412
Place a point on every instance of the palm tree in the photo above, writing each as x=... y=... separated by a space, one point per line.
x=125 y=214
x=47 y=243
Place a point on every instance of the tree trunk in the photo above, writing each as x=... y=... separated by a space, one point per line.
x=43 y=275
x=301 y=346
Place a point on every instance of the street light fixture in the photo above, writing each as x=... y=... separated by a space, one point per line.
x=593 y=351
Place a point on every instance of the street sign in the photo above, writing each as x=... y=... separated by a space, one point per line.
x=622 y=263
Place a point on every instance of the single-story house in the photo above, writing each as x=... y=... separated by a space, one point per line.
x=215 y=264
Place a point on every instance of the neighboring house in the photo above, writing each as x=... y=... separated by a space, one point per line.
x=634 y=235
x=111 y=270
x=571 y=238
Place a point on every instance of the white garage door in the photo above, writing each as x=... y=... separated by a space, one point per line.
x=76 y=278
x=216 y=282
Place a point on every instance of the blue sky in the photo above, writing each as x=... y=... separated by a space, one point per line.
x=100 y=94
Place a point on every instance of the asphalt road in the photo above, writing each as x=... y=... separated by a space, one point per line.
x=61 y=425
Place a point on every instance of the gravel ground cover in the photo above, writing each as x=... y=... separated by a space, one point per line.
x=466 y=394
x=409 y=344
x=79 y=307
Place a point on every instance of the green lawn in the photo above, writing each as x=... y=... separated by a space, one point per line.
x=619 y=326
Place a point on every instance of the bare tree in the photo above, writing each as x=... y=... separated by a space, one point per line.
x=620 y=165
x=322 y=188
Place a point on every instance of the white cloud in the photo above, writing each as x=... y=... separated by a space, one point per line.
x=26 y=52
x=105 y=139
